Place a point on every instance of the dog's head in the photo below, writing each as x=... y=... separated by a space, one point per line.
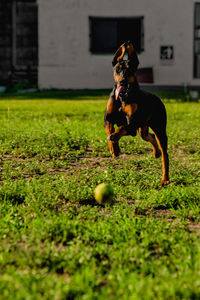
x=124 y=70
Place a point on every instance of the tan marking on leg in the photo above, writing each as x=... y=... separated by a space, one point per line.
x=113 y=146
x=120 y=131
x=146 y=136
x=111 y=106
x=162 y=141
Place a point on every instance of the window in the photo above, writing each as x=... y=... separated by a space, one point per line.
x=107 y=34
x=25 y=33
x=197 y=41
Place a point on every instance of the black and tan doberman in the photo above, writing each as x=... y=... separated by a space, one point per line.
x=133 y=109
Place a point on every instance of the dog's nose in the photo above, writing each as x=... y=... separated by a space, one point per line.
x=122 y=82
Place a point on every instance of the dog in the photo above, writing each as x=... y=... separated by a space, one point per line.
x=132 y=110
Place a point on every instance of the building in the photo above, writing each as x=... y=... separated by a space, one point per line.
x=77 y=40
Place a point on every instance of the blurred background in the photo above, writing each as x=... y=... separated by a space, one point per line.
x=69 y=44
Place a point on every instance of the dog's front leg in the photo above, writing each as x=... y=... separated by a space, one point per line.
x=130 y=111
x=113 y=144
x=123 y=130
x=118 y=134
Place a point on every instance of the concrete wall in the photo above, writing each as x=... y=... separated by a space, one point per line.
x=66 y=62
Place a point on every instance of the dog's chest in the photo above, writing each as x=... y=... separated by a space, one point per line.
x=129 y=109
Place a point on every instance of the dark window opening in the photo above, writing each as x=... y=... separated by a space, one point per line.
x=107 y=34
x=18 y=40
x=197 y=41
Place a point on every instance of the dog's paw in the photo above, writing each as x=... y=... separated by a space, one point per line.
x=115 y=154
x=157 y=153
x=164 y=182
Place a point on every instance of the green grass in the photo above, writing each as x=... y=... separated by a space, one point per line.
x=56 y=242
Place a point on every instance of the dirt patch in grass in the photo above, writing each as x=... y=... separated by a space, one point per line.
x=194 y=227
x=27 y=169
x=82 y=163
x=163 y=213
x=169 y=217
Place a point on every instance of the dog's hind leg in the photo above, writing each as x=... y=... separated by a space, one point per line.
x=162 y=141
x=149 y=137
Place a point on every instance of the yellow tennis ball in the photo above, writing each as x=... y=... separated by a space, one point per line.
x=103 y=193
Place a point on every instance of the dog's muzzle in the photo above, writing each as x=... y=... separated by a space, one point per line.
x=121 y=91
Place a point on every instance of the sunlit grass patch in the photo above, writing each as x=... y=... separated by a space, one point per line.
x=57 y=242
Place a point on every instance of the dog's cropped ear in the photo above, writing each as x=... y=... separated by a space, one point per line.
x=119 y=54
x=132 y=56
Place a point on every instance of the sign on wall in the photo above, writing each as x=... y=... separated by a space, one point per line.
x=167 y=54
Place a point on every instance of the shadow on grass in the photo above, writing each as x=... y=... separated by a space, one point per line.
x=92 y=202
x=59 y=94
x=97 y=94
x=89 y=201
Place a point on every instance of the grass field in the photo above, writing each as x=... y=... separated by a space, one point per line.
x=56 y=242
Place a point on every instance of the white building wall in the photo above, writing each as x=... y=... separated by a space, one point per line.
x=66 y=62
